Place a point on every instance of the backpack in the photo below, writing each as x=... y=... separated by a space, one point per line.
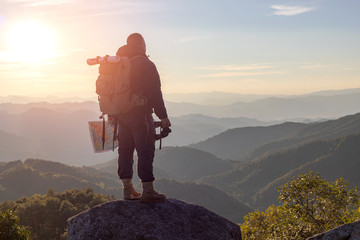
x=114 y=89
x=113 y=86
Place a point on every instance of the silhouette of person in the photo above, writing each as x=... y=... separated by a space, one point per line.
x=136 y=128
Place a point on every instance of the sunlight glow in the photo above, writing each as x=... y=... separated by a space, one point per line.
x=31 y=41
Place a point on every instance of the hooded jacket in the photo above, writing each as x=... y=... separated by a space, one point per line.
x=145 y=80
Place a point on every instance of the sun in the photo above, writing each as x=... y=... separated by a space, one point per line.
x=31 y=41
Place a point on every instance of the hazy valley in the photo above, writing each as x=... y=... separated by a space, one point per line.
x=44 y=129
x=237 y=153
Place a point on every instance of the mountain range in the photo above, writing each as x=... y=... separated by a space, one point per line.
x=236 y=143
x=255 y=182
x=251 y=142
x=201 y=98
x=60 y=131
x=181 y=164
x=210 y=159
x=330 y=148
x=51 y=134
x=35 y=176
x=278 y=108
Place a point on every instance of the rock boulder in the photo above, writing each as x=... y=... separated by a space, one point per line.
x=350 y=231
x=133 y=220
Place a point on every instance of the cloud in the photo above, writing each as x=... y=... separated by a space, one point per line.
x=36 y=3
x=95 y=14
x=234 y=67
x=188 y=39
x=228 y=71
x=193 y=38
x=351 y=69
x=240 y=74
x=329 y=67
x=110 y=8
x=317 y=66
x=284 y=10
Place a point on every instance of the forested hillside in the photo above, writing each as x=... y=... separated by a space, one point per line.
x=19 y=179
x=236 y=143
x=190 y=164
x=46 y=215
x=252 y=142
x=342 y=161
x=35 y=176
x=254 y=182
x=197 y=174
x=181 y=163
x=193 y=128
x=312 y=132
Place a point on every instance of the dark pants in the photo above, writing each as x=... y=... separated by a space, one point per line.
x=136 y=131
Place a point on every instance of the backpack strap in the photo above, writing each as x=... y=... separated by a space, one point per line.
x=137 y=56
x=142 y=99
x=115 y=132
x=103 y=131
x=160 y=140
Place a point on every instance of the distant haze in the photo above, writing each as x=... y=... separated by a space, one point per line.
x=59 y=131
x=202 y=98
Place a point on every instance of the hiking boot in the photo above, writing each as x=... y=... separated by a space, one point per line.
x=129 y=192
x=150 y=195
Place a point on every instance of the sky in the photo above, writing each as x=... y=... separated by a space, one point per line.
x=239 y=46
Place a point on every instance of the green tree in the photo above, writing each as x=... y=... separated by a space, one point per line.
x=310 y=205
x=10 y=228
x=46 y=215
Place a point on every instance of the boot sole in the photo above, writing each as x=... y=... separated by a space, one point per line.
x=131 y=199
x=152 y=201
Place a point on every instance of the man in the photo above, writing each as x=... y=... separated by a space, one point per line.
x=136 y=128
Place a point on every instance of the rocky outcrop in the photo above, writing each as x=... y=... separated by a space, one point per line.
x=133 y=220
x=350 y=231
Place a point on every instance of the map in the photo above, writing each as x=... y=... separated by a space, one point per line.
x=96 y=133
